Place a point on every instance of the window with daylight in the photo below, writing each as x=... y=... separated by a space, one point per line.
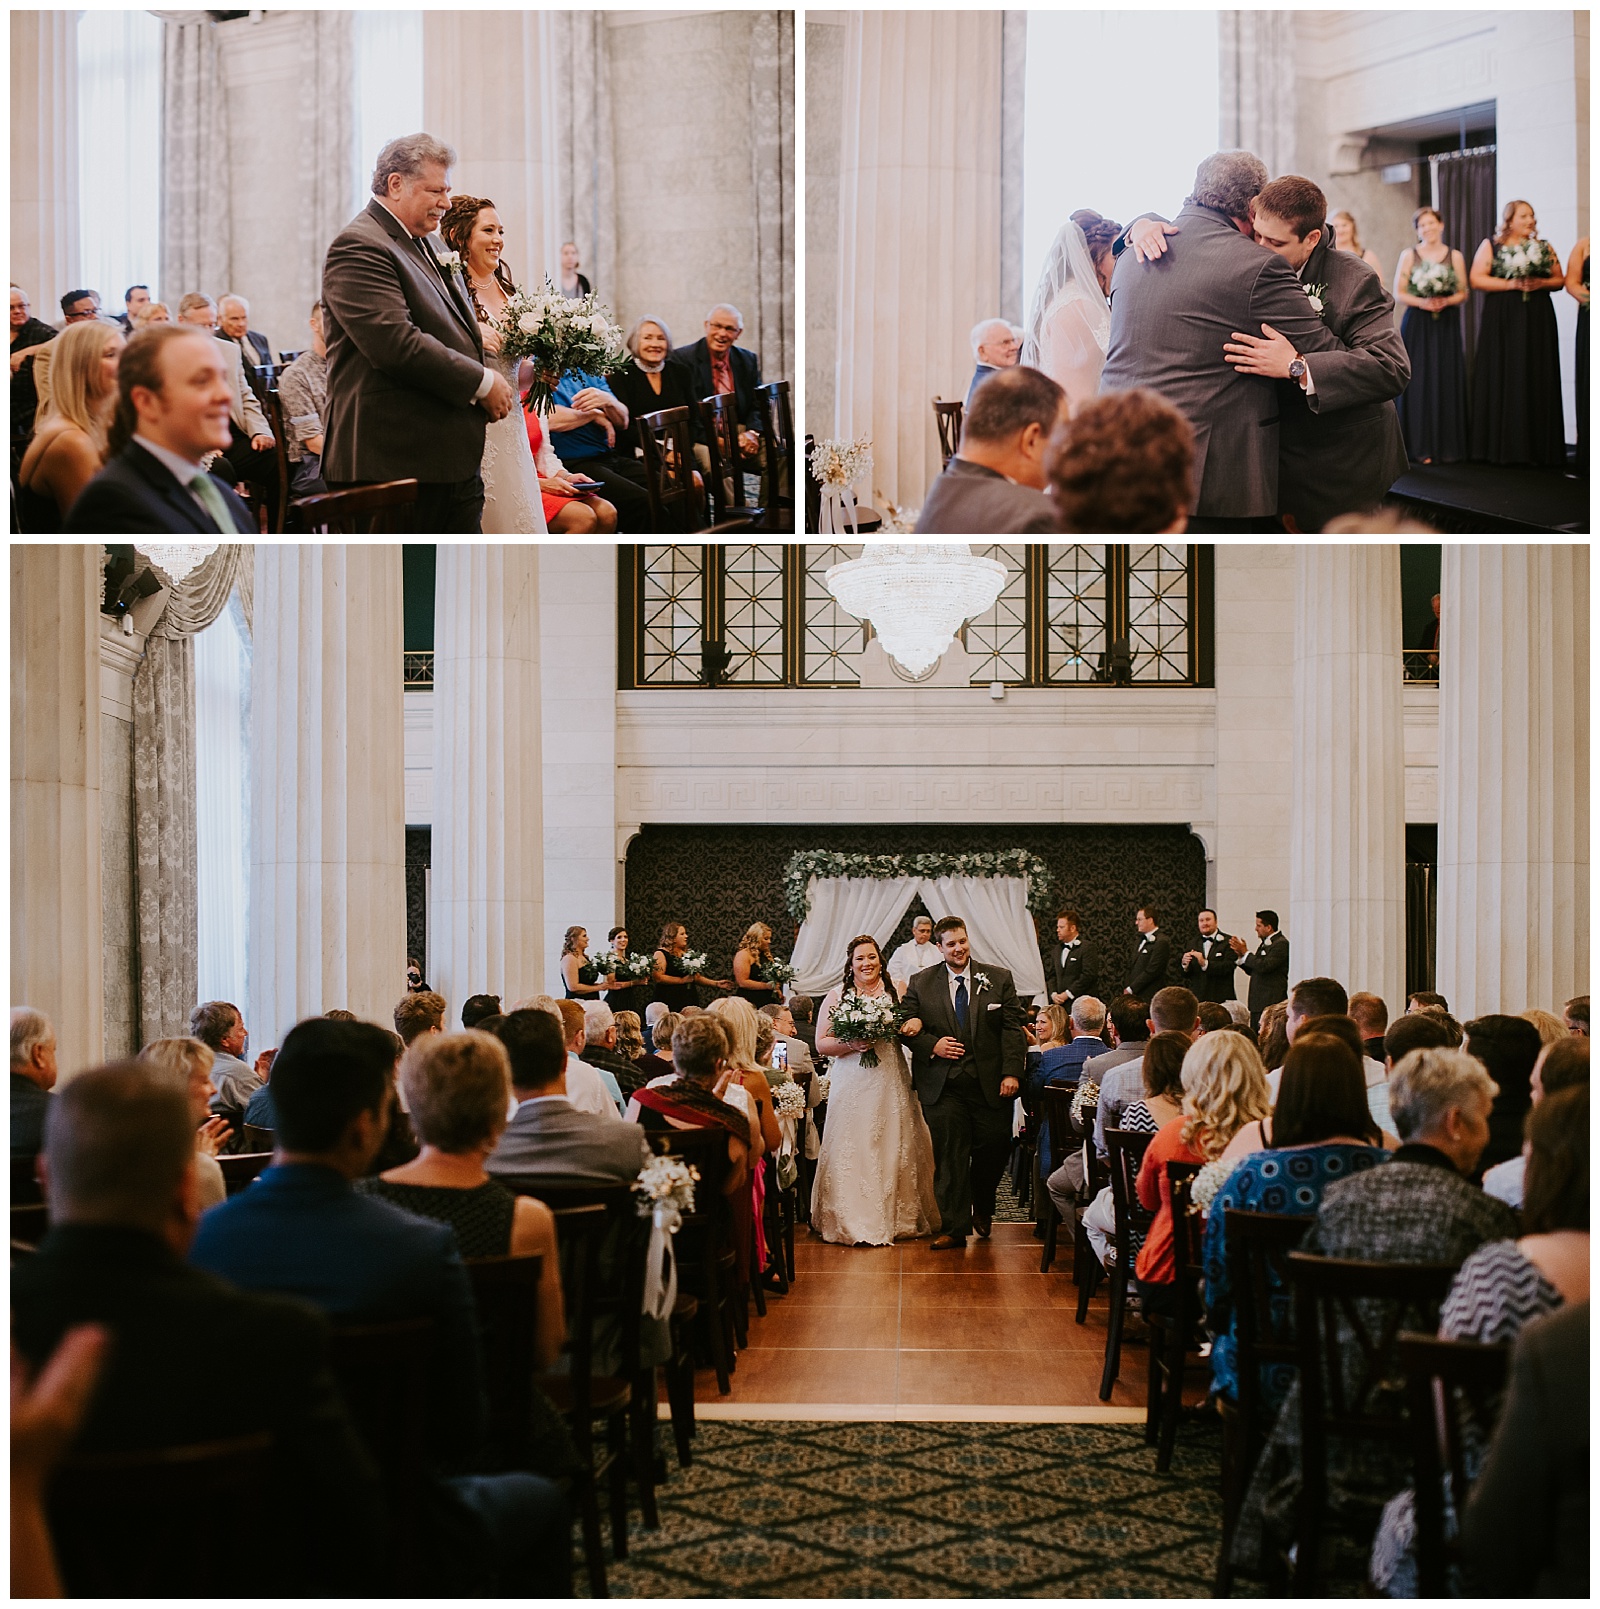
x=387 y=72
x=1069 y=614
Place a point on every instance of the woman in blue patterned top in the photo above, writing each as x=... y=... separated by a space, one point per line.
x=1313 y=1138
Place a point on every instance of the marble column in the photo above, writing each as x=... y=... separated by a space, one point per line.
x=1347 y=892
x=57 y=922
x=578 y=658
x=327 y=828
x=488 y=846
x=44 y=157
x=918 y=230
x=1513 y=777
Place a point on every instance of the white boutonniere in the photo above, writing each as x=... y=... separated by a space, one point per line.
x=981 y=981
x=1314 y=295
x=449 y=260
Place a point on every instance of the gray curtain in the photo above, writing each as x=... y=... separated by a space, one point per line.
x=196 y=225
x=1256 y=85
x=771 y=321
x=1464 y=193
x=166 y=870
x=323 y=148
x=585 y=158
x=1013 y=99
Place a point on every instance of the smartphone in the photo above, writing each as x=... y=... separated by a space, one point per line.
x=780 y=1054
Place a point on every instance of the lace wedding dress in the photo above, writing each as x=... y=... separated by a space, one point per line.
x=874 y=1181
x=1069 y=326
x=512 y=504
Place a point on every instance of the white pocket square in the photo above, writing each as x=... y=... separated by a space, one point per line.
x=994 y=1007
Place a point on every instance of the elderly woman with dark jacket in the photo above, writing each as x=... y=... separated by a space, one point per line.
x=654 y=380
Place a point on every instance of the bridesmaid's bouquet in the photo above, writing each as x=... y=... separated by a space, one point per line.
x=1528 y=259
x=695 y=961
x=873 y=1018
x=1433 y=279
x=557 y=336
x=775 y=971
x=624 y=967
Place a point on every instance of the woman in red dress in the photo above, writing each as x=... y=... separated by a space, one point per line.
x=566 y=508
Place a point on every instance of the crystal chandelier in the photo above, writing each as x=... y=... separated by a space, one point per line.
x=175 y=560
x=917 y=595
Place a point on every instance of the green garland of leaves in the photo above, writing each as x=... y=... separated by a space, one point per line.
x=809 y=863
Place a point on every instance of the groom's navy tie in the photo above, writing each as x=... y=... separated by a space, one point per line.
x=961 y=1004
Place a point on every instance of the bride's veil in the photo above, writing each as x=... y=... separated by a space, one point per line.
x=1068 y=261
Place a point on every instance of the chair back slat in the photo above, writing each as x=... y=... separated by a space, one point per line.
x=1188 y=1224
x=258 y=1139
x=505 y=1291
x=357 y=510
x=721 y=414
x=24 y=1181
x=1126 y=1153
x=947 y=417
x=776 y=419
x=667 y=439
x=1055 y=1103
x=1257 y=1248
x=273 y=404
x=579 y=1233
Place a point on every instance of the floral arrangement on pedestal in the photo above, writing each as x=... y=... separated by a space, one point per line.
x=809 y=863
x=558 y=336
x=838 y=465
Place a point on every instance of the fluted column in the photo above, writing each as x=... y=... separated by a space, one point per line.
x=919 y=229
x=327 y=827
x=488 y=807
x=57 y=925
x=44 y=157
x=1513 y=777
x=1347 y=892
x=578 y=698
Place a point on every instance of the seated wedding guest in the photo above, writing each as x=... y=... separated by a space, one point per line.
x=172 y=409
x=590 y=1088
x=1374 y=1074
x=135 y=299
x=478 y=1008
x=572 y=284
x=588 y=425
x=1508 y=1047
x=798 y=1052
x=738 y=1021
x=1371 y=1016
x=718 y=364
x=1562 y=1065
x=655 y=380
x=302 y=1230
x=251 y=451
x=1172 y=1010
x=1129 y=1021
x=458 y=1087
x=1420 y=1207
x=259 y=1113
x=33 y=1076
x=29 y=337
x=189 y=1063
x=630 y=1036
x=994 y=347
x=121 y=1168
x=1503 y=1287
x=658 y=1064
x=303 y=393
x=1066 y=1042
x=996 y=481
x=692 y=1098
x=548 y=1138
x=1214 y=1015
x=1550 y=1026
x=600 y=1048
x=68 y=448
x=567 y=507
x=1525 y=1532
x=219 y=1025
x=804 y=1011
x=78 y=307
x=419 y=1012
x=233 y=320
x=1576 y=1015
x=150 y=313
x=1124 y=462
x=1315 y=1136
x=1272 y=1035
x=1346 y=237
x=1224 y=1087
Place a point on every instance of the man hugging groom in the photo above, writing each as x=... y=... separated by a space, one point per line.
x=1280 y=351
x=967 y=1063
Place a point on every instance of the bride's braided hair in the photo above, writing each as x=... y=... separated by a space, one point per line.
x=1098 y=232
x=456 y=228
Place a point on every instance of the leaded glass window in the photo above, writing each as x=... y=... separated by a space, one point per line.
x=753 y=613
x=1077 y=601
x=671 y=614
x=831 y=640
x=998 y=640
x=1158 y=612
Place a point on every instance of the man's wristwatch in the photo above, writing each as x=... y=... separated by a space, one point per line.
x=1297 y=369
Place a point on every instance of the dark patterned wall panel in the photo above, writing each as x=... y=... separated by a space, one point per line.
x=716 y=880
x=419 y=856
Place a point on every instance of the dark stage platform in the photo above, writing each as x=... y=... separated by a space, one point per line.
x=1488 y=499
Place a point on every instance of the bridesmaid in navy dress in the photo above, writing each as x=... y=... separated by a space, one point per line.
x=1516 y=387
x=1433 y=407
x=582 y=978
x=674 y=982
x=627 y=996
x=755 y=950
x=1578 y=289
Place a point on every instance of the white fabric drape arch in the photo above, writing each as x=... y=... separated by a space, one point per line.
x=222 y=870
x=840 y=908
x=995 y=910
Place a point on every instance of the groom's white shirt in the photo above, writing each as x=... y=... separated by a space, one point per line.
x=422 y=240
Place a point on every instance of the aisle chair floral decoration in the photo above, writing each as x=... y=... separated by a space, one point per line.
x=665 y=1188
x=838 y=465
x=788 y=1106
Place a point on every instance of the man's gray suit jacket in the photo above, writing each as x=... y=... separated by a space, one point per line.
x=552 y=1142
x=405 y=360
x=970 y=500
x=1170 y=320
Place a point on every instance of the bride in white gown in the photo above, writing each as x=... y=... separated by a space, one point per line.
x=874 y=1181
x=512 y=502
x=1069 y=325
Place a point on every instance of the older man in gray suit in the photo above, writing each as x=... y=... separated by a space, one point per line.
x=1171 y=319
x=995 y=483
x=409 y=394
x=548 y=1139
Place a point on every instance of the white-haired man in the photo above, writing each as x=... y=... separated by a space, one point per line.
x=233 y=321
x=600 y=1046
x=995 y=345
x=717 y=363
x=33 y=1076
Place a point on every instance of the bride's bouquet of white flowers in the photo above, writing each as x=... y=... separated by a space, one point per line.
x=558 y=335
x=1528 y=259
x=871 y=1018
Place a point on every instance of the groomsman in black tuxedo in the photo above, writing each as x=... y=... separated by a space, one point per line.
x=1075 y=962
x=1153 y=957
x=1208 y=968
x=1268 y=966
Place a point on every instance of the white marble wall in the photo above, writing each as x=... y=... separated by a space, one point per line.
x=824 y=93
x=44 y=157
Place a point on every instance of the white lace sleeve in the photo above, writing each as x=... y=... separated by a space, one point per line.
x=1069 y=351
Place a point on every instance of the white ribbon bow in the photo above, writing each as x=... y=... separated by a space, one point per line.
x=838 y=511
x=661 y=1264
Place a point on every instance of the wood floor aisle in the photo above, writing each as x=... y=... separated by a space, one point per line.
x=904 y=1332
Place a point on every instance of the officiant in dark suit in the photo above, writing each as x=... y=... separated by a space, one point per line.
x=1074 y=962
x=1172 y=317
x=1208 y=967
x=967 y=1062
x=1268 y=965
x=409 y=394
x=1340 y=446
x=1152 y=960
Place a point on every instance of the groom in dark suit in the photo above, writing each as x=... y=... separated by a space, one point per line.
x=967 y=1064
x=409 y=394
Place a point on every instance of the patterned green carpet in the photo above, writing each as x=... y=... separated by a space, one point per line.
x=800 y=1509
